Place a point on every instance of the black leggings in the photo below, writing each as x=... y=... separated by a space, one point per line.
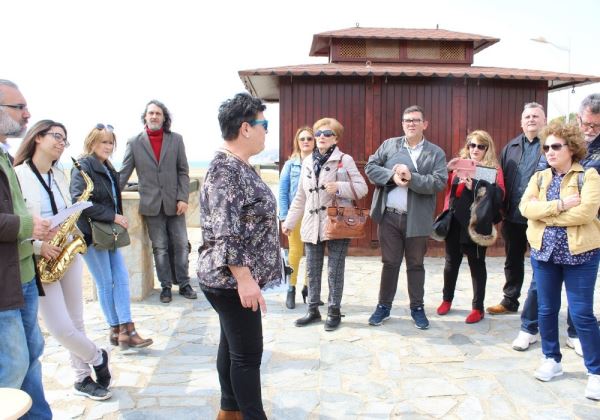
x=476 y=259
x=239 y=355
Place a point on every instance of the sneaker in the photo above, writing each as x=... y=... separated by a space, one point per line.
x=418 y=315
x=499 y=309
x=381 y=313
x=103 y=376
x=89 y=388
x=165 y=295
x=187 y=292
x=592 y=390
x=523 y=340
x=575 y=344
x=444 y=307
x=549 y=369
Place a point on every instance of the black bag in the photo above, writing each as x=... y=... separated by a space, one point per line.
x=109 y=236
x=441 y=225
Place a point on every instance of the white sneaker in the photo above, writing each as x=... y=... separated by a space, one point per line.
x=548 y=369
x=575 y=344
x=523 y=341
x=592 y=390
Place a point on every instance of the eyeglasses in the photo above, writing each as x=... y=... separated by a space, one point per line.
x=305 y=139
x=591 y=126
x=59 y=138
x=479 y=146
x=264 y=123
x=556 y=147
x=412 y=120
x=326 y=133
x=20 y=107
x=108 y=127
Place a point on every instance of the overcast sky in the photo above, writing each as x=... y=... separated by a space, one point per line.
x=82 y=62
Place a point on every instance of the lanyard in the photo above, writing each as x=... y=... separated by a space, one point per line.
x=47 y=187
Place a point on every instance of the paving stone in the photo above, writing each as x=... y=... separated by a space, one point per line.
x=437 y=407
x=431 y=387
x=170 y=413
x=469 y=409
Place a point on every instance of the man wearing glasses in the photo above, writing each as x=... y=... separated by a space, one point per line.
x=589 y=123
x=519 y=160
x=408 y=171
x=158 y=156
x=21 y=341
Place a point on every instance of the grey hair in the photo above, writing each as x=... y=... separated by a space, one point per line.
x=529 y=105
x=592 y=103
x=4 y=82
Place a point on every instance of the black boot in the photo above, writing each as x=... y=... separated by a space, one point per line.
x=334 y=317
x=304 y=293
x=290 y=301
x=313 y=315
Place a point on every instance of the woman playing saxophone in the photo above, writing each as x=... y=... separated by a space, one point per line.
x=46 y=192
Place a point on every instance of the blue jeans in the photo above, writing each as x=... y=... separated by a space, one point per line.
x=21 y=346
x=580 y=281
x=529 y=315
x=165 y=231
x=112 y=281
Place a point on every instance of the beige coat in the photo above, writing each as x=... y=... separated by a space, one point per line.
x=311 y=201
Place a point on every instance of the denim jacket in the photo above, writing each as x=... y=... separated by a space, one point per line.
x=288 y=185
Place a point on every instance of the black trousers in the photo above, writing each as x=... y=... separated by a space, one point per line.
x=515 y=246
x=475 y=257
x=239 y=355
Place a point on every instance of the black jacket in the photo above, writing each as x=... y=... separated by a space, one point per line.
x=103 y=208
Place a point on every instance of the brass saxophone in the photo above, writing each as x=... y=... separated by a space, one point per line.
x=51 y=270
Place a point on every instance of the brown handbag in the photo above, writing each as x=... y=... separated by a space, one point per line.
x=346 y=222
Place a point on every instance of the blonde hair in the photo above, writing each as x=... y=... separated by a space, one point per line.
x=94 y=137
x=334 y=124
x=295 y=146
x=482 y=137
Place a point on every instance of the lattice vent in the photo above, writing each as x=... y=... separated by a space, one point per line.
x=423 y=50
x=388 y=49
x=452 y=51
x=353 y=48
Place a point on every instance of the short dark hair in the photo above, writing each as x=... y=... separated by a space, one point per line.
x=591 y=102
x=233 y=112
x=167 y=124
x=414 y=108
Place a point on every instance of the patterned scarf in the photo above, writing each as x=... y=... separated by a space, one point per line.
x=319 y=159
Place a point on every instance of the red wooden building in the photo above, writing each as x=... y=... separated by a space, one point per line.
x=373 y=74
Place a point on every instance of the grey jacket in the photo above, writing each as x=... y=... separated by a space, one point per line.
x=425 y=183
x=163 y=183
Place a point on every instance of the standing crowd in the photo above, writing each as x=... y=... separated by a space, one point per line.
x=544 y=188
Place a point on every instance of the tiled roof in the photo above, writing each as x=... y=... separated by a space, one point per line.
x=264 y=82
x=320 y=45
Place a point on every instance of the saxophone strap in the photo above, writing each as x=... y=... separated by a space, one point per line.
x=47 y=187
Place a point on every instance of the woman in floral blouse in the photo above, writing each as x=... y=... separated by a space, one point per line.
x=564 y=233
x=240 y=255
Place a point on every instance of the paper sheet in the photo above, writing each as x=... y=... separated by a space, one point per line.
x=62 y=215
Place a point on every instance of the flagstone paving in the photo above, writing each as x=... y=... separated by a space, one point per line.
x=451 y=371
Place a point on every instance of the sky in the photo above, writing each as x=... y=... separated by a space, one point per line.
x=83 y=62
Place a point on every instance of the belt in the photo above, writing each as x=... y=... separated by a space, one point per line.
x=395 y=211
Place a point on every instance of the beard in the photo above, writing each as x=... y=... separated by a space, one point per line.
x=154 y=126
x=11 y=128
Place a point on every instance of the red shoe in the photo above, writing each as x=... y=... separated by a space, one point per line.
x=444 y=308
x=475 y=316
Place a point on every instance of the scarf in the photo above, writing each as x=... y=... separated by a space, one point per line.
x=319 y=159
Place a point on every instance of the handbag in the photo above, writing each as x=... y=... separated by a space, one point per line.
x=346 y=222
x=109 y=236
x=441 y=225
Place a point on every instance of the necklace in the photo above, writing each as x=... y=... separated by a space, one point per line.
x=229 y=152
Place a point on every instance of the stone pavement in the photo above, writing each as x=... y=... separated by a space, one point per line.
x=452 y=371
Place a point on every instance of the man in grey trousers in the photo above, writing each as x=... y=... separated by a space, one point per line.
x=158 y=156
x=408 y=172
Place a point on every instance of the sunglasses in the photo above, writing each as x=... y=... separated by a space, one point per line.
x=264 y=123
x=326 y=133
x=305 y=139
x=479 y=146
x=108 y=127
x=556 y=147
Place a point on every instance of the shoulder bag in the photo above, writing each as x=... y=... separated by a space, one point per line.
x=109 y=236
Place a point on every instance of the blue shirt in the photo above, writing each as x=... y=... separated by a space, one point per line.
x=288 y=185
x=555 y=246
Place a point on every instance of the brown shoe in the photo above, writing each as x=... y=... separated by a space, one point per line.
x=499 y=309
x=128 y=337
x=114 y=335
x=229 y=415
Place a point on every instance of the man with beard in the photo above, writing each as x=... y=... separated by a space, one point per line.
x=21 y=341
x=158 y=156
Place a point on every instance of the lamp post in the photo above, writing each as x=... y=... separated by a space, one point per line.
x=543 y=40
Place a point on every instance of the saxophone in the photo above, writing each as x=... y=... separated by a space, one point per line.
x=51 y=270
